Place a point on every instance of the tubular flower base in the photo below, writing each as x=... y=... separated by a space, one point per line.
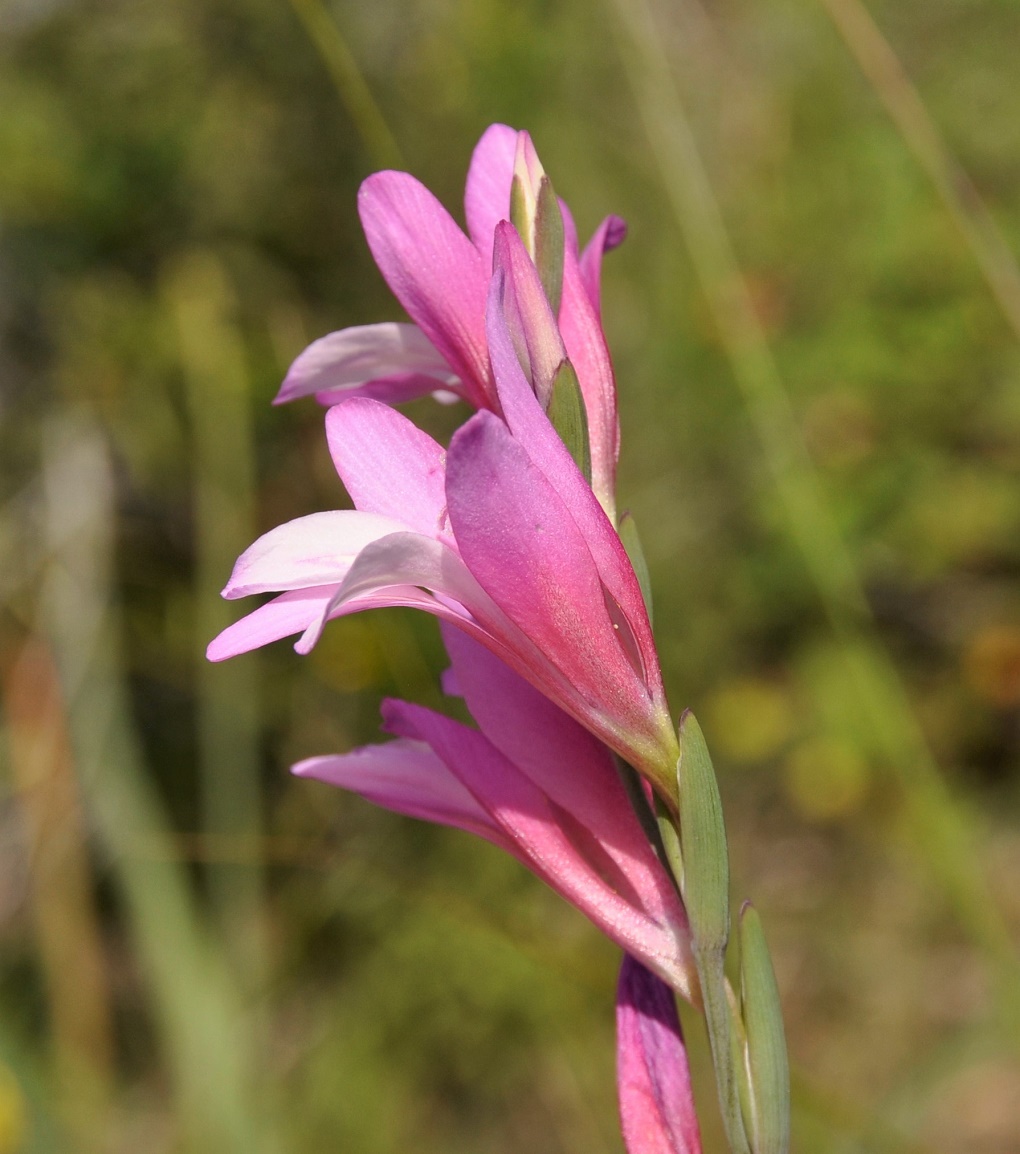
x=538 y=785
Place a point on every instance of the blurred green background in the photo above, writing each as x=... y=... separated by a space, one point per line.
x=198 y=953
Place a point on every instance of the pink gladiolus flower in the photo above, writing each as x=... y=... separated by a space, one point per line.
x=501 y=536
x=654 y=1081
x=441 y=277
x=535 y=783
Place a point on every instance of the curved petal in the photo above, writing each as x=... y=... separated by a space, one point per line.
x=487 y=192
x=434 y=271
x=542 y=833
x=653 y=1077
x=611 y=233
x=312 y=550
x=441 y=581
x=521 y=544
x=388 y=465
x=282 y=617
x=354 y=357
x=408 y=778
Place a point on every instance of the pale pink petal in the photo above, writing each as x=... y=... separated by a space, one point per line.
x=653 y=1076
x=368 y=355
x=408 y=778
x=524 y=548
x=609 y=234
x=434 y=271
x=487 y=193
x=388 y=465
x=563 y=853
x=282 y=617
x=313 y=550
x=442 y=583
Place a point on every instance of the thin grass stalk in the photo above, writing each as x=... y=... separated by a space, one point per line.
x=351 y=86
x=218 y=390
x=943 y=829
x=887 y=76
x=200 y=1021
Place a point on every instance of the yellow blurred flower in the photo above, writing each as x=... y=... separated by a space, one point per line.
x=826 y=779
x=749 y=719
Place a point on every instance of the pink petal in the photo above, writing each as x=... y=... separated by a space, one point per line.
x=525 y=309
x=554 y=845
x=487 y=193
x=586 y=346
x=609 y=234
x=531 y=428
x=388 y=465
x=408 y=778
x=282 y=617
x=525 y=549
x=653 y=1077
x=441 y=581
x=434 y=271
x=571 y=767
x=366 y=356
x=313 y=550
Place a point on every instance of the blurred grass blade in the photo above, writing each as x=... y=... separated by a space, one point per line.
x=941 y=827
x=217 y=386
x=198 y=1013
x=903 y=102
x=355 y=94
x=63 y=893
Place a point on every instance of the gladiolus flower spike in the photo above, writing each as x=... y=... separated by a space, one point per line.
x=501 y=535
x=510 y=537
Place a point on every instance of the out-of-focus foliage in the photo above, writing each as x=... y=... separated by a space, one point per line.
x=198 y=953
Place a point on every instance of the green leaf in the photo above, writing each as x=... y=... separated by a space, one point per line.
x=569 y=417
x=765 y=1095
x=632 y=543
x=703 y=840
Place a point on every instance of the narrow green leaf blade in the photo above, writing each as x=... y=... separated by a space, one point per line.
x=766 y=1096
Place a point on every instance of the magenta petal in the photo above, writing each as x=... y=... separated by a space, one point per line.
x=408 y=778
x=557 y=848
x=487 y=193
x=609 y=234
x=433 y=269
x=313 y=550
x=388 y=465
x=524 y=548
x=363 y=356
x=531 y=428
x=282 y=617
x=653 y=1077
